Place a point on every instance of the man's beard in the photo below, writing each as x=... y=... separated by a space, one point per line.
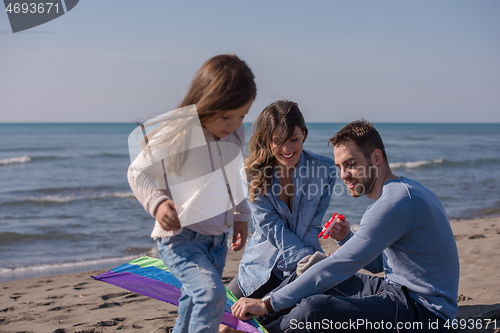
x=365 y=186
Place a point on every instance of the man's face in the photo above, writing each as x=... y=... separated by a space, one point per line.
x=356 y=171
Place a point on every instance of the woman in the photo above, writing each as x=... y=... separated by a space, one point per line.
x=289 y=190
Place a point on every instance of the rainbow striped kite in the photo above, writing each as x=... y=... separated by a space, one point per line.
x=150 y=277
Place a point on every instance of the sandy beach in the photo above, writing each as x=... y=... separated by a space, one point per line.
x=77 y=303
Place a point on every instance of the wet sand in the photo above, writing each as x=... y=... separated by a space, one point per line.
x=77 y=303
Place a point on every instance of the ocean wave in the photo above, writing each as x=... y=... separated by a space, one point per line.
x=70 y=198
x=111 y=155
x=492 y=211
x=26 y=158
x=15 y=160
x=444 y=163
x=7 y=238
x=63 y=265
x=61 y=198
x=46 y=158
x=418 y=138
x=415 y=164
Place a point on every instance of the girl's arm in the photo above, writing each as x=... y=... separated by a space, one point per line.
x=166 y=215
x=144 y=178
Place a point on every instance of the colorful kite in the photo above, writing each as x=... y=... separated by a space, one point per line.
x=150 y=277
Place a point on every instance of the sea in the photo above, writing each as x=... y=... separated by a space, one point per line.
x=66 y=206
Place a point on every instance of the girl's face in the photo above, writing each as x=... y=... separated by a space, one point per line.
x=289 y=153
x=227 y=122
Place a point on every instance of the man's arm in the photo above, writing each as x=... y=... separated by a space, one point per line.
x=246 y=306
x=382 y=225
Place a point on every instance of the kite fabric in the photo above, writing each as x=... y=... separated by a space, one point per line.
x=151 y=277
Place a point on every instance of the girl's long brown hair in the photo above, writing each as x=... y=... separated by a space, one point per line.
x=223 y=83
x=259 y=165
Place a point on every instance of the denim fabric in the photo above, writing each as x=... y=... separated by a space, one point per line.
x=281 y=237
x=359 y=304
x=197 y=261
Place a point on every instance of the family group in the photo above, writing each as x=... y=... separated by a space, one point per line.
x=285 y=279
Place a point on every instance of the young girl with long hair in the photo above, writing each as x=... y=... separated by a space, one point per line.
x=222 y=92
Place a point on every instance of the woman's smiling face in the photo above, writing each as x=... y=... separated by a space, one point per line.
x=289 y=153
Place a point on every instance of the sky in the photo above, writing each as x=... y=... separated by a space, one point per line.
x=385 y=60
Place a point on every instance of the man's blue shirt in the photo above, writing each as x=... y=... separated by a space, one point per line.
x=409 y=227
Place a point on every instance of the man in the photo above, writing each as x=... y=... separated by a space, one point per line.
x=406 y=229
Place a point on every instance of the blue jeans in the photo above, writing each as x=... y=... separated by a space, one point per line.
x=362 y=303
x=197 y=261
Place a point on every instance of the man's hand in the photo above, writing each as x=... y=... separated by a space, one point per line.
x=246 y=306
x=240 y=233
x=166 y=215
x=340 y=230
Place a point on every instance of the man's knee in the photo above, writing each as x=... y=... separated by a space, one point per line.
x=312 y=305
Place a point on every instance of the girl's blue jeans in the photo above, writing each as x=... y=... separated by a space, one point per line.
x=197 y=261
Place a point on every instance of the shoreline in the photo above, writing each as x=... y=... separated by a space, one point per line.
x=77 y=303
x=82 y=266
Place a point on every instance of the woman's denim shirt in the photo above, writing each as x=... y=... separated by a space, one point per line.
x=281 y=237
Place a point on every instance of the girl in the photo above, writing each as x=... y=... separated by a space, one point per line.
x=289 y=192
x=222 y=92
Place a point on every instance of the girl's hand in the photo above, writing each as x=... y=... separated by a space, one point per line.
x=240 y=233
x=340 y=230
x=246 y=306
x=166 y=215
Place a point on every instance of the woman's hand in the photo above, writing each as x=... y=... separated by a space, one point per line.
x=166 y=215
x=340 y=230
x=240 y=233
x=244 y=307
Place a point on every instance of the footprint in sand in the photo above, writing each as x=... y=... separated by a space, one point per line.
x=55 y=297
x=15 y=297
x=106 y=305
x=477 y=237
x=107 y=323
x=114 y=295
x=34 y=286
x=462 y=298
x=62 y=287
x=79 y=286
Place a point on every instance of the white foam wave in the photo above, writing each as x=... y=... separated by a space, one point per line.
x=415 y=164
x=69 y=198
x=14 y=160
x=122 y=195
x=67 y=265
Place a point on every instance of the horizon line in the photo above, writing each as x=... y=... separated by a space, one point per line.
x=248 y=123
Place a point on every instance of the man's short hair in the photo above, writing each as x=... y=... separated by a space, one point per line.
x=363 y=134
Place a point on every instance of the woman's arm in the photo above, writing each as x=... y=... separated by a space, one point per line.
x=269 y=223
x=312 y=232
